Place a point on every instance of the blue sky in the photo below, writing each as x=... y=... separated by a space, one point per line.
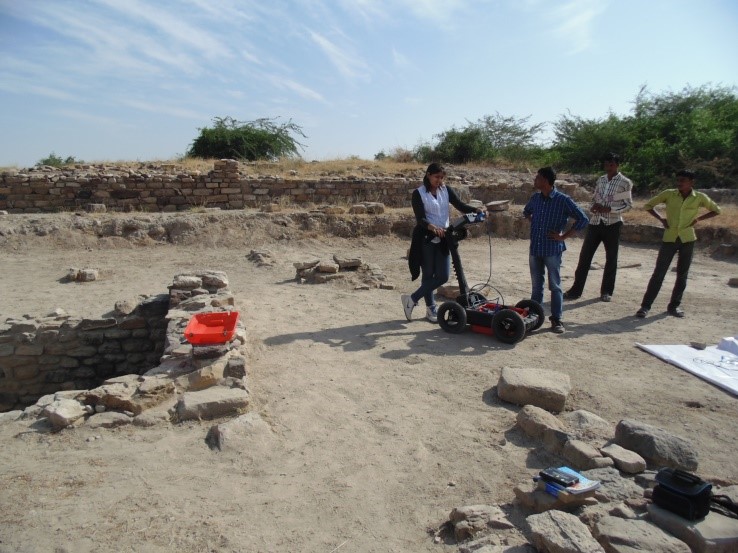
x=135 y=79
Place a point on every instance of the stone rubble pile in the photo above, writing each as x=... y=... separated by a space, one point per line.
x=619 y=516
x=353 y=269
x=40 y=356
x=190 y=382
x=82 y=275
x=262 y=258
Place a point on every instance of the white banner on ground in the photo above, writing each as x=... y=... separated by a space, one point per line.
x=716 y=364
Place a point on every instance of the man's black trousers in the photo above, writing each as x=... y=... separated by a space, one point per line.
x=609 y=235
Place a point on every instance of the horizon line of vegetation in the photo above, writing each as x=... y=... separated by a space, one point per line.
x=695 y=128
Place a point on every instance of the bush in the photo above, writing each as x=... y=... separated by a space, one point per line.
x=262 y=139
x=581 y=143
x=491 y=138
x=54 y=160
x=695 y=128
x=400 y=155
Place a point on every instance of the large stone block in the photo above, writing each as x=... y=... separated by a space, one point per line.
x=713 y=534
x=534 y=421
x=239 y=433
x=63 y=412
x=473 y=519
x=212 y=403
x=558 y=531
x=584 y=456
x=657 y=446
x=618 y=534
x=540 y=387
x=626 y=460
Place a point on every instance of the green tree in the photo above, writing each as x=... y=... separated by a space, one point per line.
x=251 y=140
x=695 y=127
x=581 y=143
x=488 y=139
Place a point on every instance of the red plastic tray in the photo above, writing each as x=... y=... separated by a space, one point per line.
x=211 y=328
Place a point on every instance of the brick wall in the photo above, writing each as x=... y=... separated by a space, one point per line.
x=161 y=188
x=51 y=190
x=48 y=189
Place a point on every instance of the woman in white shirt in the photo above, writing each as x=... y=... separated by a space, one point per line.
x=428 y=251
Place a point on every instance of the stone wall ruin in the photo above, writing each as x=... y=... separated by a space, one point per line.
x=227 y=186
x=56 y=353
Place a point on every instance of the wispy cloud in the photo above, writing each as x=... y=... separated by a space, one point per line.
x=79 y=115
x=164 y=109
x=228 y=10
x=370 y=11
x=350 y=66
x=15 y=86
x=440 y=12
x=577 y=19
x=250 y=57
x=573 y=22
x=400 y=59
x=170 y=25
x=100 y=43
x=297 y=88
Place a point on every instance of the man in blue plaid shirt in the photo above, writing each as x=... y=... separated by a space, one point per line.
x=548 y=211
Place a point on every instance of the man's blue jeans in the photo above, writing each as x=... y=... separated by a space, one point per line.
x=436 y=269
x=538 y=267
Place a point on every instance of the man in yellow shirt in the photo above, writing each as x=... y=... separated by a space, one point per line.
x=683 y=204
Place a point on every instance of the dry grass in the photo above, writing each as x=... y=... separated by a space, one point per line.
x=337 y=167
x=352 y=166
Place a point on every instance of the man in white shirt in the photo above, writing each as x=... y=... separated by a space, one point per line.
x=612 y=198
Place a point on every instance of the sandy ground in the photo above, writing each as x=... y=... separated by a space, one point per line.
x=380 y=426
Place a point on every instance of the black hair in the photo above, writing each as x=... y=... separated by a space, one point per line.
x=433 y=169
x=611 y=156
x=691 y=175
x=548 y=173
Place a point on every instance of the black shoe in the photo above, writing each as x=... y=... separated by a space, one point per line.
x=676 y=312
x=557 y=326
x=569 y=295
x=641 y=313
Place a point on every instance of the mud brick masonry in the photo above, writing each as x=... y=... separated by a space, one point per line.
x=230 y=185
x=161 y=189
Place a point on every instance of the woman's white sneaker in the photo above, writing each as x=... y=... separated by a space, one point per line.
x=431 y=313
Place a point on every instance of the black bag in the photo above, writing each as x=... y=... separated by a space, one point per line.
x=682 y=493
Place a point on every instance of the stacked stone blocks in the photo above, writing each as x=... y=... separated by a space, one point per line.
x=225 y=187
x=39 y=356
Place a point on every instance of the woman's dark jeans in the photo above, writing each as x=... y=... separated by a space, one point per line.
x=436 y=269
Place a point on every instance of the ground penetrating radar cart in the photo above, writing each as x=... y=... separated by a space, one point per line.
x=508 y=324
